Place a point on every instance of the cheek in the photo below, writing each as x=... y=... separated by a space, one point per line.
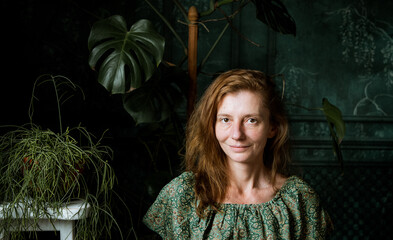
x=258 y=136
x=220 y=134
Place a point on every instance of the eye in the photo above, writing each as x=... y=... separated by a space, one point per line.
x=252 y=120
x=224 y=120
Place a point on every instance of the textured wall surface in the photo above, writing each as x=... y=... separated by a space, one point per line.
x=343 y=52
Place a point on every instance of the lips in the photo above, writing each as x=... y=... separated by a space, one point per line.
x=239 y=149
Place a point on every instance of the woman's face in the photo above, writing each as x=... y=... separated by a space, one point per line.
x=243 y=126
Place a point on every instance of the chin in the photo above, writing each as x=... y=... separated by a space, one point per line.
x=240 y=159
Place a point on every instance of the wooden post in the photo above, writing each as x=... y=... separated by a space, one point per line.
x=192 y=57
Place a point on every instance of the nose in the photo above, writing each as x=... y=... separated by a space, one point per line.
x=237 y=131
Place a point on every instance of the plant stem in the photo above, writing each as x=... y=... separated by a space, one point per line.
x=31 y=106
x=182 y=10
x=209 y=11
x=58 y=105
x=213 y=6
x=168 y=25
x=214 y=46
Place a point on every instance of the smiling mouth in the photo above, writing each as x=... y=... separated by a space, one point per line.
x=238 y=148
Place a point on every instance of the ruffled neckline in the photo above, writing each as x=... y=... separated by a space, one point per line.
x=277 y=196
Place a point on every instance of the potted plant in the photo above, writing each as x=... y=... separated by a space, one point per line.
x=42 y=171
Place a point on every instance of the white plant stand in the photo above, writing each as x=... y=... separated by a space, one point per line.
x=62 y=221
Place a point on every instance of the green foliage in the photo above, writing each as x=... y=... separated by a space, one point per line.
x=336 y=127
x=159 y=98
x=42 y=171
x=334 y=117
x=64 y=89
x=129 y=57
x=275 y=15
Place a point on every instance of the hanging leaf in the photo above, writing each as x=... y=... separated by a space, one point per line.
x=336 y=146
x=333 y=116
x=275 y=15
x=336 y=126
x=127 y=58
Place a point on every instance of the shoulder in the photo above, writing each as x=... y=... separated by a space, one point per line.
x=182 y=184
x=304 y=204
x=177 y=194
x=187 y=178
x=300 y=197
x=170 y=212
x=295 y=185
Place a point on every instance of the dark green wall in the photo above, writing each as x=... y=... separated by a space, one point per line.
x=343 y=52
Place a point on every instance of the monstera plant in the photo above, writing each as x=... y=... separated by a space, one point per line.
x=127 y=59
x=131 y=53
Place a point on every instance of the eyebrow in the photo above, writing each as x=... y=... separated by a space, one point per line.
x=245 y=116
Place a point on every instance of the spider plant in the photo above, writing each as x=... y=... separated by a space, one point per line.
x=45 y=170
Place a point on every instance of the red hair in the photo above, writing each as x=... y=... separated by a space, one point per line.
x=204 y=156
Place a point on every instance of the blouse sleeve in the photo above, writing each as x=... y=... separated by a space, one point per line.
x=312 y=220
x=168 y=216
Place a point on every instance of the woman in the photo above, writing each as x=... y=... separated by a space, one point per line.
x=236 y=184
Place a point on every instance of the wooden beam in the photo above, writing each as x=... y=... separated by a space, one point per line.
x=192 y=58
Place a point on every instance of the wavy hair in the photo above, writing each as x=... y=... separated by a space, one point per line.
x=204 y=156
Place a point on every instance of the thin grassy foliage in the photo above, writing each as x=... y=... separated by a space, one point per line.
x=41 y=171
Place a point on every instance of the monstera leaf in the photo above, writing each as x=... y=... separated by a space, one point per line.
x=275 y=15
x=159 y=98
x=125 y=59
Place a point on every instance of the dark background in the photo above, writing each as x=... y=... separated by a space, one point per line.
x=50 y=37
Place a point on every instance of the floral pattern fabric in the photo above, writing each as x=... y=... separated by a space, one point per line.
x=294 y=213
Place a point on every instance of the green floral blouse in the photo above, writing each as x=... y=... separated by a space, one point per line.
x=294 y=213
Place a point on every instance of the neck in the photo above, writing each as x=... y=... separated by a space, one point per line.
x=244 y=177
x=248 y=184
